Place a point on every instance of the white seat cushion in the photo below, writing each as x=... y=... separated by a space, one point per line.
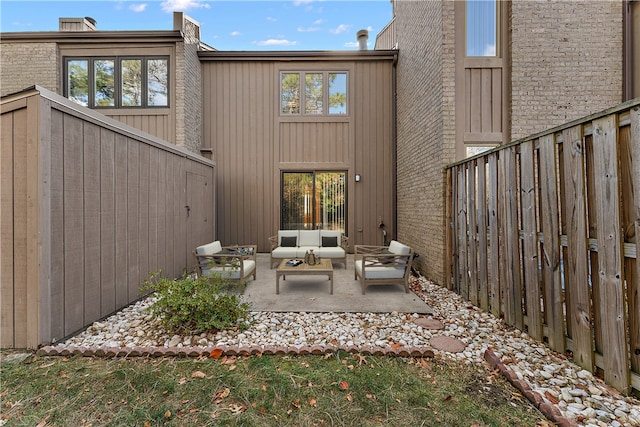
x=380 y=272
x=330 y=252
x=249 y=266
x=284 y=252
x=309 y=238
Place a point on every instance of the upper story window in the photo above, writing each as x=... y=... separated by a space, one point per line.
x=482 y=27
x=118 y=82
x=313 y=93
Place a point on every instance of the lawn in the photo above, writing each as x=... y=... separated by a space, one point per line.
x=335 y=389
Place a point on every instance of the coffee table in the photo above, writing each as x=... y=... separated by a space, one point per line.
x=323 y=268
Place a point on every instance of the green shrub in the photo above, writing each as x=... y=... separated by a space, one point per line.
x=196 y=305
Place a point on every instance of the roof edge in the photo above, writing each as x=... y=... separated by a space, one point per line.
x=298 y=55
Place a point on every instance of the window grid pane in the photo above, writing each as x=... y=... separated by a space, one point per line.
x=131 y=82
x=290 y=93
x=337 y=93
x=481 y=27
x=313 y=93
x=157 y=82
x=78 y=81
x=104 y=83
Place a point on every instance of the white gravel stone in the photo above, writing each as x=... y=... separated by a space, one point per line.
x=543 y=369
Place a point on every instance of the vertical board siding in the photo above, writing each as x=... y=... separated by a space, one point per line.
x=114 y=210
x=483 y=95
x=253 y=144
x=158 y=125
x=563 y=219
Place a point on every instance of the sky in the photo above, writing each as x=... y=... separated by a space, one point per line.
x=224 y=24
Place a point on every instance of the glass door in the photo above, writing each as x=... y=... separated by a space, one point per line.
x=314 y=200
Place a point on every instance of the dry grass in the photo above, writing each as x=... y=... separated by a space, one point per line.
x=338 y=389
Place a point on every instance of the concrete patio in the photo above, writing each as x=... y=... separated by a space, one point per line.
x=311 y=293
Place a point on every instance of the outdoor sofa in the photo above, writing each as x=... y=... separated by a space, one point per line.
x=383 y=265
x=295 y=244
x=230 y=262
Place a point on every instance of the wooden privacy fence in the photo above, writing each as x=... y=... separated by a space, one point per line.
x=544 y=233
x=88 y=208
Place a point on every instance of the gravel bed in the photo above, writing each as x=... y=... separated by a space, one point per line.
x=579 y=396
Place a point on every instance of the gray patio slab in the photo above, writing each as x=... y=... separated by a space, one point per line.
x=311 y=293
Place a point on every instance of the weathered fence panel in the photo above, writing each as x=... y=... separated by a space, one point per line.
x=88 y=209
x=555 y=220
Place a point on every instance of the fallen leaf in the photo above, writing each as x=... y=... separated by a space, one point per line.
x=237 y=408
x=447 y=399
x=182 y=380
x=262 y=410
x=215 y=353
x=47 y=365
x=349 y=397
x=313 y=403
x=198 y=374
x=396 y=345
x=228 y=360
x=362 y=359
x=264 y=387
x=233 y=367
x=551 y=397
x=296 y=403
x=43 y=422
x=344 y=385
x=147 y=424
x=167 y=414
x=221 y=394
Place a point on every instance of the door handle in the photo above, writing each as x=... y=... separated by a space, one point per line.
x=188 y=208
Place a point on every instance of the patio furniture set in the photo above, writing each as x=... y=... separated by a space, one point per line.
x=290 y=249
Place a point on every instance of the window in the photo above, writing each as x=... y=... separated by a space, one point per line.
x=482 y=29
x=324 y=93
x=118 y=82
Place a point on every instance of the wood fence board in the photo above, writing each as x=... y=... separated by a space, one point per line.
x=481 y=202
x=162 y=212
x=133 y=225
x=121 y=221
x=553 y=303
x=473 y=238
x=449 y=250
x=7 y=280
x=610 y=263
x=576 y=268
x=73 y=224
x=154 y=208
x=463 y=272
x=143 y=217
x=530 y=257
x=494 y=245
x=107 y=223
x=513 y=288
x=634 y=285
x=502 y=239
x=92 y=213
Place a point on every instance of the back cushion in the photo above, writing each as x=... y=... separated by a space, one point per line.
x=287 y=233
x=209 y=248
x=288 y=241
x=330 y=233
x=398 y=248
x=309 y=238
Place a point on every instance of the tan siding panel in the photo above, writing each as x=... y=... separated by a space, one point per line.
x=7 y=276
x=107 y=223
x=57 y=297
x=121 y=221
x=92 y=212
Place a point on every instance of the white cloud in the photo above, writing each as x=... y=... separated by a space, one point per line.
x=235 y=33
x=318 y=22
x=271 y=19
x=275 y=42
x=351 y=44
x=182 y=5
x=489 y=50
x=301 y=2
x=308 y=29
x=138 y=7
x=339 y=29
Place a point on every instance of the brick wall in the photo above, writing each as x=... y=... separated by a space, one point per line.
x=425 y=128
x=566 y=61
x=26 y=64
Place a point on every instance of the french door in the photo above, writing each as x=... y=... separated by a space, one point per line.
x=313 y=200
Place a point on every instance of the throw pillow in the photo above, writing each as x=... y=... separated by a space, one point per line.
x=289 y=242
x=329 y=242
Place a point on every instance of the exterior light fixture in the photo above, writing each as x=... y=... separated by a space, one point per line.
x=358 y=177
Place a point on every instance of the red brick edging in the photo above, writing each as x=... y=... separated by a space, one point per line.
x=548 y=410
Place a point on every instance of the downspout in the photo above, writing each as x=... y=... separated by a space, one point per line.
x=394 y=136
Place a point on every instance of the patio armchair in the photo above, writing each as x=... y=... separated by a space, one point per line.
x=230 y=262
x=383 y=265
